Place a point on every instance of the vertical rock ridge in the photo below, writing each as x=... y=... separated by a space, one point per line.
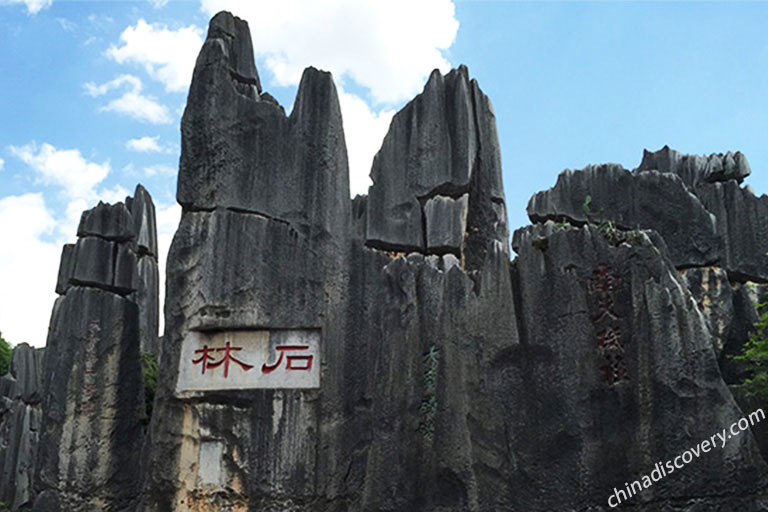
x=91 y=431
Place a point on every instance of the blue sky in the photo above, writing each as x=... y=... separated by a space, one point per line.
x=92 y=94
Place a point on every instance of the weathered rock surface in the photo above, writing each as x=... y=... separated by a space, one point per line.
x=742 y=220
x=712 y=291
x=20 y=395
x=91 y=430
x=237 y=149
x=446 y=223
x=442 y=144
x=147 y=291
x=111 y=222
x=645 y=200
x=147 y=298
x=144 y=223
x=695 y=169
x=451 y=379
x=93 y=404
x=274 y=190
x=619 y=364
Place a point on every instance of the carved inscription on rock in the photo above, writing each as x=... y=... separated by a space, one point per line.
x=243 y=359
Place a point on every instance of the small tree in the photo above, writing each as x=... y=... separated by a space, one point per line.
x=754 y=355
x=5 y=355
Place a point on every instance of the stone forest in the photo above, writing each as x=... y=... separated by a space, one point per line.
x=395 y=351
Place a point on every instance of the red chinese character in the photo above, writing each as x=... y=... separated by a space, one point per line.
x=605 y=304
x=204 y=357
x=603 y=280
x=227 y=358
x=609 y=339
x=266 y=368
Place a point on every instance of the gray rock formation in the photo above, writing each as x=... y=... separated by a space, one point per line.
x=742 y=219
x=91 y=433
x=695 y=169
x=646 y=200
x=20 y=396
x=712 y=291
x=450 y=378
x=442 y=145
x=148 y=273
x=423 y=370
x=273 y=190
x=614 y=343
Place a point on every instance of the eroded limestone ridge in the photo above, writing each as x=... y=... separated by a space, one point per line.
x=451 y=378
x=91 y=434
x=20 y=412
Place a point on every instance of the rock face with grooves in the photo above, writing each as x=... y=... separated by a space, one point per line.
x=615 y=342
x=20 y=396
x=274 y=191
x=712 y=291
x=91 y=432
x=695 y=169
x=451 y=378
x=646 y=200
x=443 y=144
x=148 y=273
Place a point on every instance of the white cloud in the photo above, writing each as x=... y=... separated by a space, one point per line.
x=158 y=4
x=28 y=268
x=159 y=170
x=2 y=164
x=168 y=56
x=65 y=168
x=364 y=131
x=67 y=25
x=132 y=103
x=33 y=6
x=144 y=144
x=387 y=47
x=77 y=177
x=168 y=217
x=95 y=91
x=141 y=108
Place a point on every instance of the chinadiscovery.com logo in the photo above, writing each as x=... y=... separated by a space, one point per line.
x=660 y=470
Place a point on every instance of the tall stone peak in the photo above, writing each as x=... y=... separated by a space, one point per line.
x=441 y=148
x=233 y=36
x=90 y=430
x=324 y=354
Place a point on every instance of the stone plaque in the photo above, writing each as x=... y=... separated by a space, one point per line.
x=275 y=359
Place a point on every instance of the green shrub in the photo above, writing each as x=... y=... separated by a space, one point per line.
x=754 y=355
x=149 y=368
x=5 y=359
